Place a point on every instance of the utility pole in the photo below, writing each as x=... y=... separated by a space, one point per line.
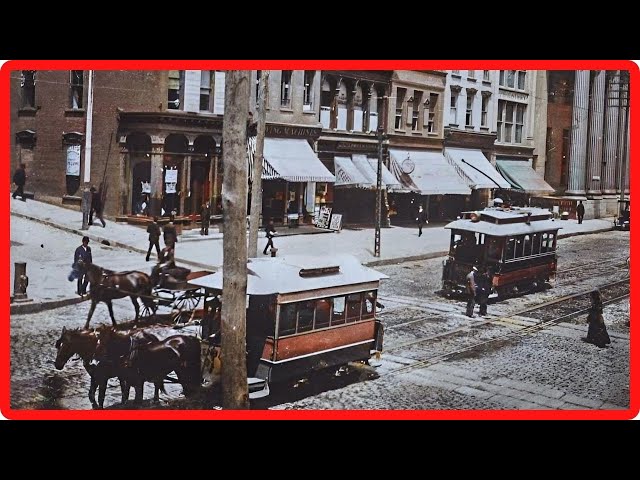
x=235 y=392
x=624 y=110
x=376 y=247
x=85 y=206
x=256 y=183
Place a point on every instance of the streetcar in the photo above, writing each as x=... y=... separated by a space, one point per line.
x=516 y=245
x=304 y=314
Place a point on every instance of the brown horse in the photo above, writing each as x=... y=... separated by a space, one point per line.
x=83 y=343
x=153 y=361
x=106 y=285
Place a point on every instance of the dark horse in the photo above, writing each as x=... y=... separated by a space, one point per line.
x=106 y=285
x=153 y=361
x=83 y=343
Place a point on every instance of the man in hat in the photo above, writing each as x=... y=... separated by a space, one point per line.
x=96 y=206
x=472 y=288
x=20 y=178
x=83 y=252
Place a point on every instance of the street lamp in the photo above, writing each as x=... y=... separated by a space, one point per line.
x=376 y=247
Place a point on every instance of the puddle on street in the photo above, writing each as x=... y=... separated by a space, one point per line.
x=53 y=387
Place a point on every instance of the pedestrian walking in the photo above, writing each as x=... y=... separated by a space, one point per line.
x=483 y=288
x=96 y=206
x=421 y=219
x=580 y=212
x=20 y=178
x=169 y=234
x=153 y=229
x=597 y=333
x=83 y=252
x=271 y=231
x=471 y=290
x=205 y=217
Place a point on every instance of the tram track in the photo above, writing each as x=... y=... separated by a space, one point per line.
x=613 y=292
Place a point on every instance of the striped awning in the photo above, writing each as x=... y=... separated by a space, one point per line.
x=476 y=168
x=349 y=175
x=369 y=167
x=267 y=170
x=521 y=175
x=293 y=160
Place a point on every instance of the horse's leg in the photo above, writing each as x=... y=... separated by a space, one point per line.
x=124 y=389
x=110 y=307
x=102 y=391
x=134 y=300
x=91 y=310
x=139 y=387
x=92 y=392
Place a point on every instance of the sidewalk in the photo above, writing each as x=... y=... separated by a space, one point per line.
x=199 y=252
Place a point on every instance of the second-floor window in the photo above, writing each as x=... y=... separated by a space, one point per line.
x=307 y=95
x=471 y=74
x=415 y=116
x=453 y=108
x=510 y=122
x=285 y=88
x=205 y=91
x=176 y=77
x=430 y=113
x=484 y=114
x=77 y=88
x=28 y=88
x=485 y=76
x=468 y=119
x=401 y=92
x=258 y=74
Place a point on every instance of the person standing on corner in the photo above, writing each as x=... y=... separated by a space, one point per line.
x=271 y=231
x=20 y=178
x=472 y=289
x=483 y=283
x=169 y=235
x=597 y=333
x=96 y=206
x=153 y=229
x=580 y=212
x=83 y=252
x=205 y=217
x=421 y=219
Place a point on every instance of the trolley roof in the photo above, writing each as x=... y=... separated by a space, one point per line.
x=297 y=273
x=503 y=222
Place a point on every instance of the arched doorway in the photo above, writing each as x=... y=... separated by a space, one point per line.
x=200 y=187
x=139 y=148
x=175 y=150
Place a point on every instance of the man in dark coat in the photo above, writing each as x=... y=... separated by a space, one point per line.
x=421 y=219
x=153 y=229
x=83 y=252
x=483 y=289
x=580 y=211
x=472 y=290
x=20 y=178
x=96 y=206
x=205 y=217
x=169 y=235
x=271 y=231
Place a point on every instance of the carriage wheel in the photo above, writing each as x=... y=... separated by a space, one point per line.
x=148 y=309
x=187 y=302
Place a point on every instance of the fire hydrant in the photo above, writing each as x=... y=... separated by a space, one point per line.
x=273 y=251
x=20 y=282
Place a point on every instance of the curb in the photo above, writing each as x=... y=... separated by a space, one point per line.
x=391 y=261
x=98 y=239
x=567 y=235
x=35 y=306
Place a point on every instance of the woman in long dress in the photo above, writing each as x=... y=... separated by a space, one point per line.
x=597 y=333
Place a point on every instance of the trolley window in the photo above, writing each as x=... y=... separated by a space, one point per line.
x=338 y=316
x=288 y=314
x=323 y=312
x=354 y=305
x=305 y=316
x=369 y=308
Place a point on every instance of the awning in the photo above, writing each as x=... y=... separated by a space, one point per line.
x=291 y=159
x=427 y=172
x=521 y=176
x=369 y=168
x=348 y=175
x=467 y=159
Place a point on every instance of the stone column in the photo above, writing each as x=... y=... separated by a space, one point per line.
x=594 y=165
x=157 y=163
x=610 y=136
x=627 y=163
x=580 y=115
x=622 y=137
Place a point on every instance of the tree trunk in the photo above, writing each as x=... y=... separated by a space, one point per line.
x=235 y=393
x=256 y=184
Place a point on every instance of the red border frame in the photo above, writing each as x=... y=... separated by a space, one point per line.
x=634 y=118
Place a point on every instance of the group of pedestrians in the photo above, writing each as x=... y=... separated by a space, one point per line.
x=478 y=290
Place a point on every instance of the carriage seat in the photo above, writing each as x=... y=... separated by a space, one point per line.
x=174 y=276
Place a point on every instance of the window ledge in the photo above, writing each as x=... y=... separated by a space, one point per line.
x=486 y=82
x=74 y=112
x=309 y=112
x=454 y=125
x=472 y=79
x=484 y=129
x=416 y=132
x=469 y=127
x=397 y=130
x=27 y=112
x=286 y=109
x=456 y=75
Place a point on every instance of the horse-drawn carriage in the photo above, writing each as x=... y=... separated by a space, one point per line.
x=304 y=315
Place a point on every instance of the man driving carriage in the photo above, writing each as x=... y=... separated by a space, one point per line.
x=166 y=268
